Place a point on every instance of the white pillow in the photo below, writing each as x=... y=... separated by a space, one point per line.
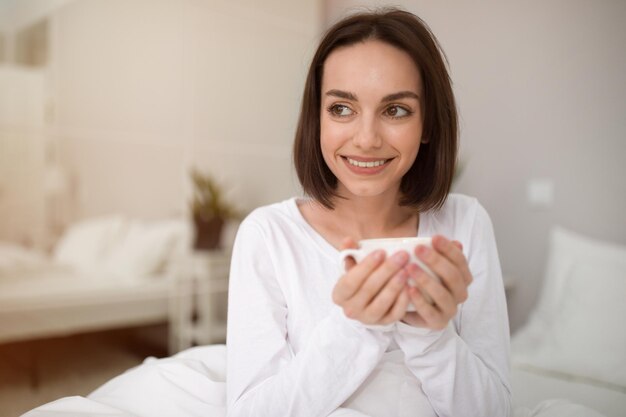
x=18 y=258
x=577 y=328
x=145 y=248
x=87 y=243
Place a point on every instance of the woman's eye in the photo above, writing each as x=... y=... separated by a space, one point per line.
x=340 y=110
x=397 y=112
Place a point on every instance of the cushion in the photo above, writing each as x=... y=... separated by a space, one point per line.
x=576 y=328
x=146 y=247
x=18 y=258
x=86 y=243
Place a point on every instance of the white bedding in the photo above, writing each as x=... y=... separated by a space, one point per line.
x=192 y=384
x=189 y=384
x=57 y=300
x=531 y=387
x=574 y=344
x=55 y=285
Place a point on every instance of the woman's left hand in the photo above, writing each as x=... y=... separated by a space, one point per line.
x=447 y=261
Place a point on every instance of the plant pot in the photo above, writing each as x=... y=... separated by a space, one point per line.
x=208 y=232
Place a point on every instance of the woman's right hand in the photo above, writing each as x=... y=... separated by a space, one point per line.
x=372 y=290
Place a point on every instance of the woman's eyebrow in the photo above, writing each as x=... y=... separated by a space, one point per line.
x=400 y=95
x=391 y=97
x=342 y=94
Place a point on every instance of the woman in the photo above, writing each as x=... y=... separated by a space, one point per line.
x=375 y=151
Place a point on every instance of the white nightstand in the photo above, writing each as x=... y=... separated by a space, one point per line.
x=199 y=301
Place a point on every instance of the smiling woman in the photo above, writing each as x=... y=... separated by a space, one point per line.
x=370 y=134
x=375 y=151
x=419 y=90
x=310 y=335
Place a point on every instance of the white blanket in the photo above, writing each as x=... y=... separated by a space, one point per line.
x=192 y=384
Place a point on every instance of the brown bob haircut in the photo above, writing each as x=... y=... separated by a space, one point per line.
x=427 y=183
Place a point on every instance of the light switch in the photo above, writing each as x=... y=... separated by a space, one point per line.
x=540 y=193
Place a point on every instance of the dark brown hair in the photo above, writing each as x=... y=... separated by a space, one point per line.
x=427 y=183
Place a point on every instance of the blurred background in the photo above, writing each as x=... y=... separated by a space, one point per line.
x=107 y=105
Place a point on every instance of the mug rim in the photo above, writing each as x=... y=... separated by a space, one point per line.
x=396 y=239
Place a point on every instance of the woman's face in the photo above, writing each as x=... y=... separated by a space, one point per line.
x=371 y=118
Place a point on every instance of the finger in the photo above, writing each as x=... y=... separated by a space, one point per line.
x=453 y=250
x=441 y=298
x=352 y=280
x=398 y=309
x=430 y=315
x=446 y=271
x=449 y=273
x=378 y=281
x=385 y=299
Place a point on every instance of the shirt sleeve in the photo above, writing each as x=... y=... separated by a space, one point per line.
x=464 y=369
x=264 y=376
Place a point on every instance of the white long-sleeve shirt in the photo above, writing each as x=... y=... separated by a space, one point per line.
x=292 y=351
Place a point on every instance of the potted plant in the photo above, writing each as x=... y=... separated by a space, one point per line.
x=210 y=210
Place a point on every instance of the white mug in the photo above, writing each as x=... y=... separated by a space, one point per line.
x=391 y=246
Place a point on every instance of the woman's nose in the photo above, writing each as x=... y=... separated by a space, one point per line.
x=367 y=135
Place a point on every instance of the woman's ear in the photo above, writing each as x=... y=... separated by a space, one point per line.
x=425 y=140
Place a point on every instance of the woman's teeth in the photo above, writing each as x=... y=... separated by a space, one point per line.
x=370 y=164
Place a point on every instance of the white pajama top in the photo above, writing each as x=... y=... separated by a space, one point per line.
x=292 y=351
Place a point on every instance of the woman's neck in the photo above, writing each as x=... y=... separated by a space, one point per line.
x=374 y=217
x=361 y=218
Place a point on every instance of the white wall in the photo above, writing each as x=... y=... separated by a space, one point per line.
x=542 y=94
x=23 y=132
x=22 y=139
x=136 y=92
x=17 y=13
x=144 y=89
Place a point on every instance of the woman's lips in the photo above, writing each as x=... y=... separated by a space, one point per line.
x=365 y=166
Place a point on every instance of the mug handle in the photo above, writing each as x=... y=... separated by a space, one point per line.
x=349 y=252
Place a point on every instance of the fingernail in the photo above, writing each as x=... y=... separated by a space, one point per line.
x=423 y=250
x=400 y=258
x=379 y=255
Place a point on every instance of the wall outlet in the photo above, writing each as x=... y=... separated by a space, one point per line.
x=540 y=193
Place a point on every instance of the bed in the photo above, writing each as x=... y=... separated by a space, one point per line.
x=104 y=273
x=558 y=370
x=573 y=345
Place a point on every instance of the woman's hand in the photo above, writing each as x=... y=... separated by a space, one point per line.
x=372 y=291
x=447 y=261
